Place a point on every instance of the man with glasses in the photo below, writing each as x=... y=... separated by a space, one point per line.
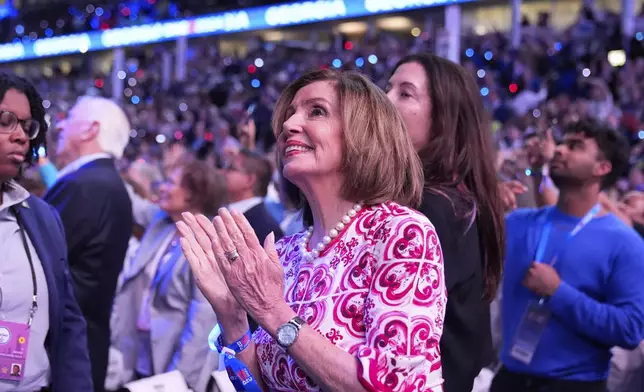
x=248 y=176
x=96 y=211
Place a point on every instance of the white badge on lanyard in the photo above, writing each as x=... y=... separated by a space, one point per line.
x=536 y=317
x=529 y=333
x=14 y=337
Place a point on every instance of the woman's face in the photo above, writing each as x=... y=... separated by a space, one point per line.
x=632 y=204
x=173 y=198
x=311 y=140
x=14 y=143
x=408 y=90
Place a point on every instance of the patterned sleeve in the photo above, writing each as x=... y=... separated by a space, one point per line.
x=405 y=308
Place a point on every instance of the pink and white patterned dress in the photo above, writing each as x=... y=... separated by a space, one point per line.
x=378 y=292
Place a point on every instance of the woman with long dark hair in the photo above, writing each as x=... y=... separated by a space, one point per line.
x=444 y=115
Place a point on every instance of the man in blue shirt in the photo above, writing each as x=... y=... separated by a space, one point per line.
x=567 y=305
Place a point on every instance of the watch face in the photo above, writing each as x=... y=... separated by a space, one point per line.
x=286 y=335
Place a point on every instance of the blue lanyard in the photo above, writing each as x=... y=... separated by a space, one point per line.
x=545 y=233
x=167 y=262
x=238 y=372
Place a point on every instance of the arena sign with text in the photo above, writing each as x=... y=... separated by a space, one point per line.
x=250 y=19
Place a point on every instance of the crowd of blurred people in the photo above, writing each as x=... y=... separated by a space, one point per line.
x=553 y=78
x=220 y=118
x=53 y=19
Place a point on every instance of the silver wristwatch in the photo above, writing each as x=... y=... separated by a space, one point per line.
x=287 y=334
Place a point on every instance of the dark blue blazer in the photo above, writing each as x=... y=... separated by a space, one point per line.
x=96 y=213
x=66 y=342
x=263 y=222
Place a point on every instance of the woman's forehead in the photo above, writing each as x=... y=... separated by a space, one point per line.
x=15 y=101
x=413 y=73
x=323 y=89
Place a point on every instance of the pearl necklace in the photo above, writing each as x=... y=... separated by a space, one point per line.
x=326 y=240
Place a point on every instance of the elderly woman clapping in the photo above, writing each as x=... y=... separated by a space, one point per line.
x=357 y=301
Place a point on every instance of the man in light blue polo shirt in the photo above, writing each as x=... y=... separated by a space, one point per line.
x=572 y=287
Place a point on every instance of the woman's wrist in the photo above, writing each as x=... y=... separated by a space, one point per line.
x=233 y=331
x=277 y=317
x=236 y=346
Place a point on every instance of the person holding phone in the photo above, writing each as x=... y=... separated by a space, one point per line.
x=247 y=130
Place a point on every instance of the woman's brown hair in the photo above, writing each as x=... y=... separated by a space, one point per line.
x=379 y=162
x=206 y=187
x=458 y=162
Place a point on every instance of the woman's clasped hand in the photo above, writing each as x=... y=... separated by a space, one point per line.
x=235 y=273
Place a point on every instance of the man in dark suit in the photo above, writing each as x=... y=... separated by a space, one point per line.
x=248 y=176
x=96 y=211
x=34 y=256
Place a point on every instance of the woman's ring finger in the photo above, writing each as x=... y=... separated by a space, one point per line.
x=232 y=255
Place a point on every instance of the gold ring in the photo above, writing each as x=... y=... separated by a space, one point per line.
x=232 y=255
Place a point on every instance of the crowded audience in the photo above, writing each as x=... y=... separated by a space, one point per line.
x=56 y=18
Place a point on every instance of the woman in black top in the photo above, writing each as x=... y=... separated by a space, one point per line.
x=444 y=115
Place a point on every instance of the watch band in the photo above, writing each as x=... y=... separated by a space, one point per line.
x=298 y=322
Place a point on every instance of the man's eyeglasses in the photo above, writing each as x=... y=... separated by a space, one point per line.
x=9 y=123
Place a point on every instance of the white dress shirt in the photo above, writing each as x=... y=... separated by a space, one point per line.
x=243 y=206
